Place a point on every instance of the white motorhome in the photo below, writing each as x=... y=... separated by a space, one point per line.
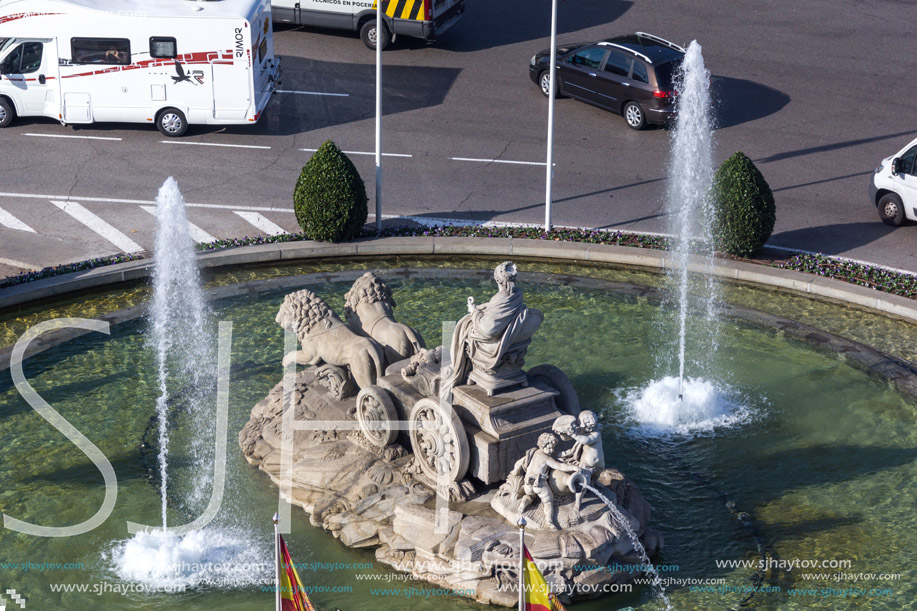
x=170 y=63
x=416 y=18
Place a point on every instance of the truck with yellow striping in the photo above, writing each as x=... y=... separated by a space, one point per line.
x=416 y=18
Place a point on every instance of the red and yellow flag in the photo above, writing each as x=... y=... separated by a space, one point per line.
x=538 y=595
x=292 y=593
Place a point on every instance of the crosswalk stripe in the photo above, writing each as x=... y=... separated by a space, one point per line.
x=102 y=228
x=23 y=265
x=197 y=234
x=11 y=222
x=261 y=222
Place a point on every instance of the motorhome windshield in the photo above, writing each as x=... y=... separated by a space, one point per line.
x=4 y=43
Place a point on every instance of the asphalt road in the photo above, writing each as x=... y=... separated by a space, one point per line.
x=815 y=92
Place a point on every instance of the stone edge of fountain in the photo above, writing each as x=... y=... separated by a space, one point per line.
x=797 y=282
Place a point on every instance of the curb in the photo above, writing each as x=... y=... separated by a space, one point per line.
x=740 y=271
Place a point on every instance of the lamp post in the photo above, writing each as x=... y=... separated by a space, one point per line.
x=549 y=179
x=379 y=25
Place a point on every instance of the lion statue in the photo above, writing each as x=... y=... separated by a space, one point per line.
x=368 y=309
x=325 y=338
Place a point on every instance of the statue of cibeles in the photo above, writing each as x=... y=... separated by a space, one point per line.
x=587 y=452
x=489 y=342
x=537 y=469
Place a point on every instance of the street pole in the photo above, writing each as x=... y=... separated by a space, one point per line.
x=277 y=603
x=521 y=523
x=379 y=25
x=553 y=72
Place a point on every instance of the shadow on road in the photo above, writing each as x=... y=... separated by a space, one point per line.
x=494 y=24
x=404 y=88
x=833 y=239
x=739 y=101
x=835 y=146
x=822 y=181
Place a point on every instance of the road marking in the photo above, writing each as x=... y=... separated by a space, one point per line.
x=115 y=200
x=102 y=228
x=363 y=153
x=541 y=163
x=76 y=137
x=261 y=223
x=337 y=95
x=10 y=221
x=15 y=263
x=197 y=234
x=237 y=146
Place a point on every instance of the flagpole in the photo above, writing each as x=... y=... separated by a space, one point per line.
x=276 y=563
x=521 y=524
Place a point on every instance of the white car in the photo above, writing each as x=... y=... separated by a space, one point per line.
x=893 y=188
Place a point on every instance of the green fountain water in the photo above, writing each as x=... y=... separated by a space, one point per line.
x=822 y=459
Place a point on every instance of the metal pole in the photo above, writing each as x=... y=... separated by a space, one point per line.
x=553 y=72
x=379 y=25
x=521 y=524
x=277 y=563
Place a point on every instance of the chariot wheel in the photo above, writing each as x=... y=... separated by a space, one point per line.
x=567 y=401
x=377 y=414
x=438 y=440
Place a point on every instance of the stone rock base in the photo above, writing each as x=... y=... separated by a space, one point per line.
x=371 y=497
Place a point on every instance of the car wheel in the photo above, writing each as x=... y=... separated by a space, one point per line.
x=368 y=34
x=891 y=210
x=171 y=122
x=544 y=83
x=634 y=116
x=7 y=112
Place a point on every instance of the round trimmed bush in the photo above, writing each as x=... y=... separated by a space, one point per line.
x=744 y=207
x=330 y=197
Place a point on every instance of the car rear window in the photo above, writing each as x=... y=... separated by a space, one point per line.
x=666 y=73
x=640 y=73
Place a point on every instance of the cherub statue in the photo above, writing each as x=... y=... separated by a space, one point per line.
x=587 y=452
x=537 y=466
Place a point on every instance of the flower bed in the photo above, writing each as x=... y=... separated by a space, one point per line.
x=873 y=276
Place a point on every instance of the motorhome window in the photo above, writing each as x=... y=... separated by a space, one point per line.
x=10 y=63
x=162 y=47
x=262 y=50
x=112 y=51
x=31 y=57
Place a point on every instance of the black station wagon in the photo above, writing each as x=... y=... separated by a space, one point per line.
x=631 y=75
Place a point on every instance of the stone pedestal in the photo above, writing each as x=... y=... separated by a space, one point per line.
x=502 y=427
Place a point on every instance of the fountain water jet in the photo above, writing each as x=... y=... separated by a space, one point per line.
x=182 y=340
x=682 y=401
x=621 y=521
x=179 y=326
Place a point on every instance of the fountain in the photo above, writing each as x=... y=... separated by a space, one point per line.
x=829 y=443
x=181 y=336
x=678 y=402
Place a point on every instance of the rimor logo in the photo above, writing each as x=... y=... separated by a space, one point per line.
x=17 y=599
x=197 y=75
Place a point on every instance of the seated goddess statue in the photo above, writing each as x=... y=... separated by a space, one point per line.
x=489 y=342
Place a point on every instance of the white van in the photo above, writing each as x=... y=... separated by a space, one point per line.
x=170 y=62
x=416 y=18
x=893 y=188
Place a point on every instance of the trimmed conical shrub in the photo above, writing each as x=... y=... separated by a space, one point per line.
x=744 y=207
x=330 y=197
